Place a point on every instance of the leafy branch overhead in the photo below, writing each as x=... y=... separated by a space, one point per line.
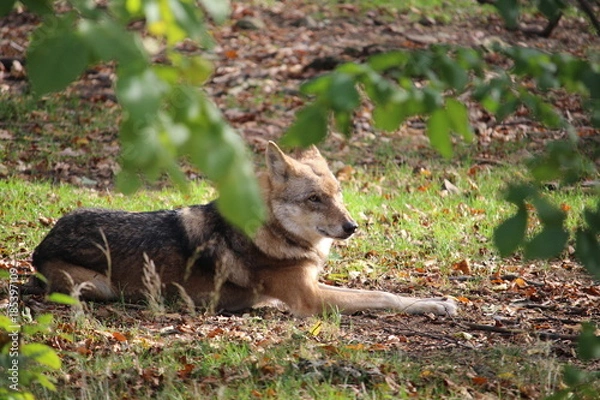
x=552 y=10
x=432 y=83
x=166 y=115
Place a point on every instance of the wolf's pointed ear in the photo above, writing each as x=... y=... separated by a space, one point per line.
x=277 y=162
x=310 y=152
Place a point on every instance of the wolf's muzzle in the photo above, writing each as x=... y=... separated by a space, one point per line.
x=349 y=227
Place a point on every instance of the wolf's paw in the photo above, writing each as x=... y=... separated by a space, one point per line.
x=436 y=305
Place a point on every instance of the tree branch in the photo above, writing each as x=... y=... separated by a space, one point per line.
x=589 y=11
x=506 y=331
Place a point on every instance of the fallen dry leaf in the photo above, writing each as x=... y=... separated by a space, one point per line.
x=462 y=266
x=119 y=337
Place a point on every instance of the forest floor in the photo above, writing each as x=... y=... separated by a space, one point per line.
x=519 y=320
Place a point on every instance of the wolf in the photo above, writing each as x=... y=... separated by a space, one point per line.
x=195 y=249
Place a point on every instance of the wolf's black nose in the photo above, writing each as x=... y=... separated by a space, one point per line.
x=350 y=227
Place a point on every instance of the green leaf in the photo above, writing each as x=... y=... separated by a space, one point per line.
x=163 y=19
x=439 y=132
x=219 y=10
x=55 y=58
x=43 y=324
x=177 y=176
x=6 y=6
x=241 y=184
x=458 y=116
x=7 y=324
x=391 y=113
x=212 y=153
x=592 y=219
x=62 y=298
x=595 y=117
x=167 y=73
x=551 y=8
x=548 y=213
x=592 y=83
x=432 y=100
x=492 y=94
x=573 y=376
x=393 y=59
x=510 y=233
x=542 y=111
x=419 y=64
x=45 y=320
x=310 y=127
x=44 y=381
x=133 y=7
x=561 y=160
x=140 y=94
x=342 y=93
x=354 y=70
x=128 y=181
x=343 y=122
x=507 y=106
x=451 y=73
x=196 y=70
x=470 y=59
x=40 y=7
x=109 y=41
x=517 y=194
x=509 y=10
x=588 y=343
x=379 y=89
x=547 y=244
x=188 y=16
x=547 y=81
x=317 y=86
x=587 y=250
x=41 y=353
x=141 y=145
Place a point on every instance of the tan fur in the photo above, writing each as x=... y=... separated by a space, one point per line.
x=69 y=276
x=215 y=263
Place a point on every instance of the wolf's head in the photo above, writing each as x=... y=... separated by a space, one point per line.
x=304 y=196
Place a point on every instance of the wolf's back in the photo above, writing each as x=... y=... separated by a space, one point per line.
x=84 y=237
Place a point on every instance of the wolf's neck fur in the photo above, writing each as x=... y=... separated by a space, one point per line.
x=273 y=240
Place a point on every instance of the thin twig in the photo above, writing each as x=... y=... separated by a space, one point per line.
x=589 y=11
x=506 y=331
x=413 y=332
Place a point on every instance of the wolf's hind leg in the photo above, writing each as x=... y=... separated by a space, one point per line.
x=64 y=277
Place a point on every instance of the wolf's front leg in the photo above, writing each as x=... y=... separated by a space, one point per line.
x=435 y=305
x=351 y=300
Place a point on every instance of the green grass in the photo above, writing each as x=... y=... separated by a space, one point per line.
x=27 y=207
x=407 y=212
x=409 y=228
x=411 y=235
x=438 y=10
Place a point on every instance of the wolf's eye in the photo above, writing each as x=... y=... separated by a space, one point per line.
x=314 y=199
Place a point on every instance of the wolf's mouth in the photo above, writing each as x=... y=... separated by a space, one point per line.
x=326 y=234
x=323 y=232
